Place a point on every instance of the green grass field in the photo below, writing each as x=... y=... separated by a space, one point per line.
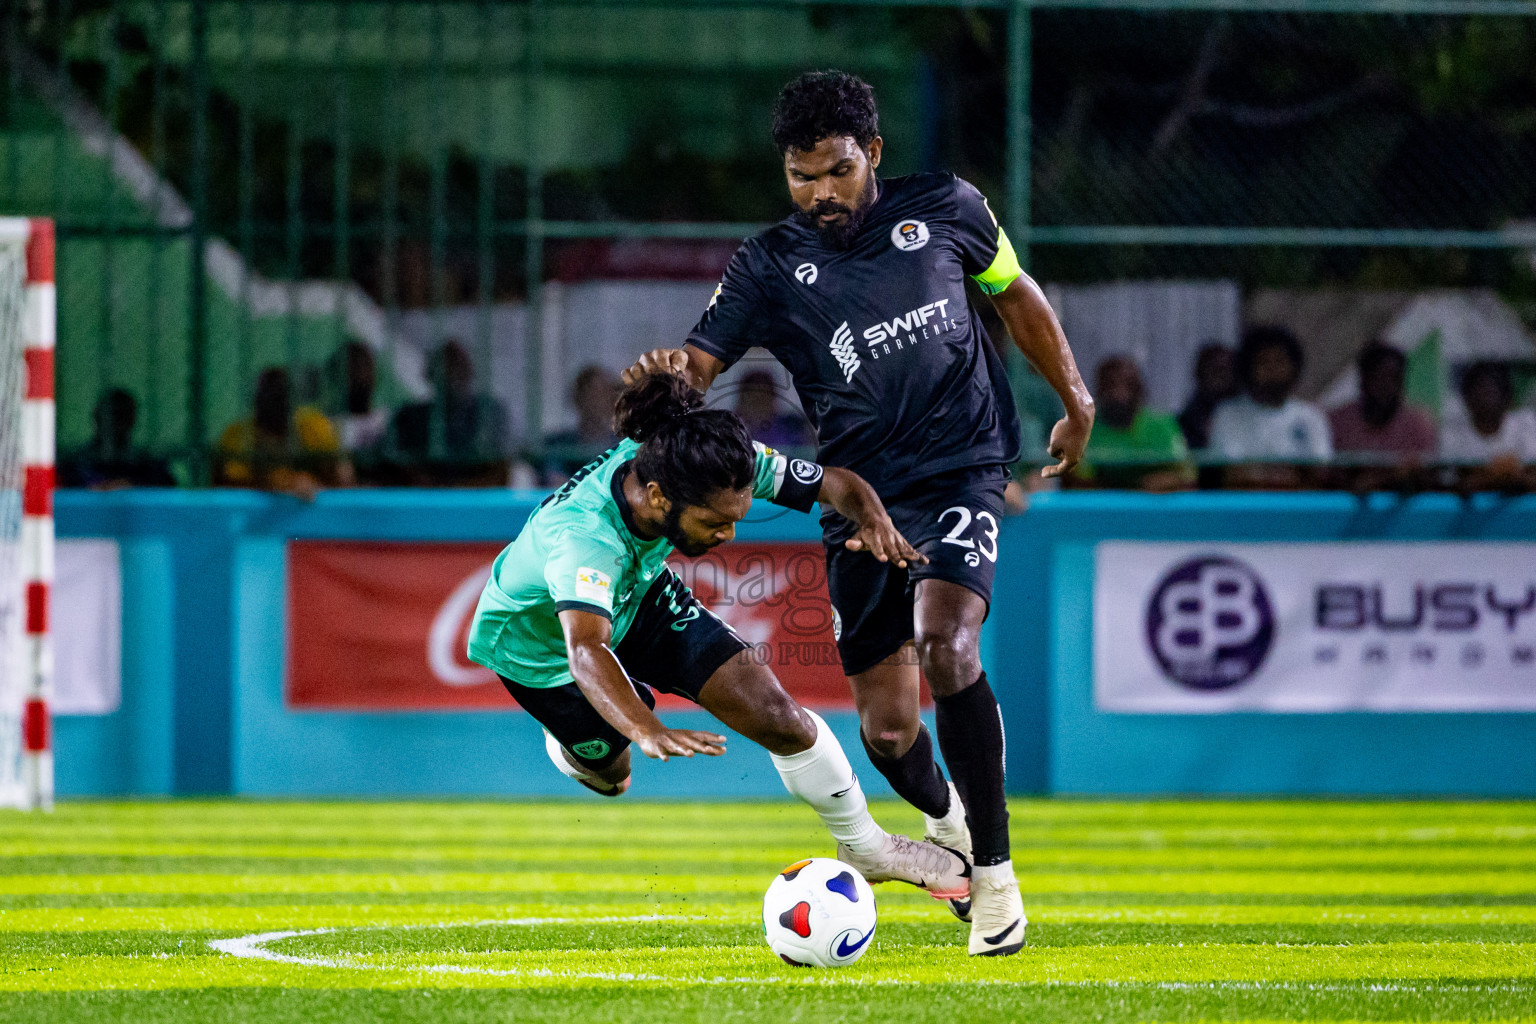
x=636 y=912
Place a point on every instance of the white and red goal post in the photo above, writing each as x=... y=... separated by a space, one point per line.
x=27 y=424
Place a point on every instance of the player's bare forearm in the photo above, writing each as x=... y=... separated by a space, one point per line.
x=1035 y=330
x=856 y=501
x=603 y=681
x=692 y=362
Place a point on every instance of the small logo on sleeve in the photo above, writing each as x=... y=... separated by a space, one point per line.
x=592 y=585
x=805 y=472
x=909 y=235
x=805 y=273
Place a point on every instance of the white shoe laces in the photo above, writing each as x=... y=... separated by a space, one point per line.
x=921 y=859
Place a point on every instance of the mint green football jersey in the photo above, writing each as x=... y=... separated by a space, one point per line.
x=576 y=551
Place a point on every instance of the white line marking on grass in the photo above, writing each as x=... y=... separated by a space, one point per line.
x=253 y=947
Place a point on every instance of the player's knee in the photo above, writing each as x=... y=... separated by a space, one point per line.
x=892 y=740
x=949 y=659
x=616 y=771
x=784 y=728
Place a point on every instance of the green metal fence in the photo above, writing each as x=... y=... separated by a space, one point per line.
x=241 y=183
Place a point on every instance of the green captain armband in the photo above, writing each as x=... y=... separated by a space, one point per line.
x=1004 y=270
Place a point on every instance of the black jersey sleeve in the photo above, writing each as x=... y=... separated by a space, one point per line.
x=731 y=322
x=976 y=227
x=985 y=252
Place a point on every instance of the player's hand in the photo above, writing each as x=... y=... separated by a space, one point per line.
x=1068 y=439
x=880 y=538
x=658 y=360
x=668 y=743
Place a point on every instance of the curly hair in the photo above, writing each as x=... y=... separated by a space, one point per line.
x=824 y=104
x=690 y=451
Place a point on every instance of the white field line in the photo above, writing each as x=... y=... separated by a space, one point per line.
x=253 y=947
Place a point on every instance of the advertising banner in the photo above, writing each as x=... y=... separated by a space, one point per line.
x=1192 y=628
x=383 y=626
x=88 y=627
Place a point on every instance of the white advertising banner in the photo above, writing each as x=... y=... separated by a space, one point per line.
x=1192 y=628
x=87 y=619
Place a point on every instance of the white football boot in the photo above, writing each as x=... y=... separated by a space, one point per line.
x=997 y=913
x=571 y=770
x=952 y=833
x=944 y=873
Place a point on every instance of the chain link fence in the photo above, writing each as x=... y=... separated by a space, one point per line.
x=242 y=185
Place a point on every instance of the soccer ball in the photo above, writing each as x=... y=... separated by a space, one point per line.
x=819 y=913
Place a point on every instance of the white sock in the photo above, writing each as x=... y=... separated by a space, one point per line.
x=953 y=822
x=995 y=872
x=823 y=778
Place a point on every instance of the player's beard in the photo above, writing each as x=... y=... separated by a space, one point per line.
x=672 y=529
x=841 y=235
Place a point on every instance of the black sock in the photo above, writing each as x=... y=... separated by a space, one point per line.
x=914 y=775
x=971 y=737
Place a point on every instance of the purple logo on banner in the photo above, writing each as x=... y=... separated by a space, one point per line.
x=1210 y=623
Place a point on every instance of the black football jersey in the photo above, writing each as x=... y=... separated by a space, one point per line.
x=891 y=363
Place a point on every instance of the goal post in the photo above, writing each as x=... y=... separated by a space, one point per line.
x=27 y=333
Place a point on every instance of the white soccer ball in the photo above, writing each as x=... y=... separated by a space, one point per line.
x=819 y=913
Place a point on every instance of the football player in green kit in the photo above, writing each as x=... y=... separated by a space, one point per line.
x=582 y=617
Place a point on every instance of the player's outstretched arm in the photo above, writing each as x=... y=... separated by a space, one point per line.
x=1034 y=328
x=698 y=366
x=606 y=686
x=855 y=500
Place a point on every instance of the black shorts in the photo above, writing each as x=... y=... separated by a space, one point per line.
x=674 y=645
x=954 y=519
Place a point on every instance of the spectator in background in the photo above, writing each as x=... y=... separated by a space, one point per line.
x=1215 y=382
x=352 y=374
x=1493 y=435
x=757 y=403
x=459 y=437
x=1132 y=446
x=110 y=460
x=1379 y=422
x=281 y=448
x=1264 y=431
x=594 y=394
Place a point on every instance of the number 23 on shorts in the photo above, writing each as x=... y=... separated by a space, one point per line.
x=983 y=537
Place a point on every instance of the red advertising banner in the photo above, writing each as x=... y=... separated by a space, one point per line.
x=383 y=626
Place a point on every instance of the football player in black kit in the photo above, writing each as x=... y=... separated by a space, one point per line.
x=860 y=294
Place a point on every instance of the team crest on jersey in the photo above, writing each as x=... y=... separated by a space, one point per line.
x=909 y=235
x=805 y=273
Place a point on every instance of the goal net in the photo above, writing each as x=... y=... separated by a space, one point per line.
x=26 y=509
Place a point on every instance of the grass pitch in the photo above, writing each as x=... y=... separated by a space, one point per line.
x=634 y=912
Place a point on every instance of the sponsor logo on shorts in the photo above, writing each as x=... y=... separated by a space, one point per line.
x=909 y=235
x=591 y=749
